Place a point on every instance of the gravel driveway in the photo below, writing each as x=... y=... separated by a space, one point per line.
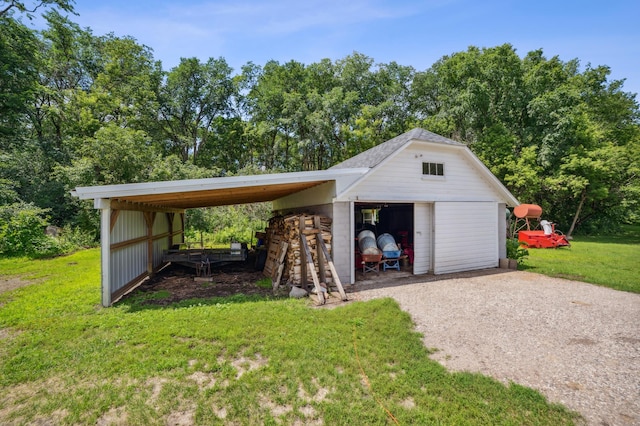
x=577 y=343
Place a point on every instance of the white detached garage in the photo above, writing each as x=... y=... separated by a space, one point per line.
x=430 y=189
x=435 y=189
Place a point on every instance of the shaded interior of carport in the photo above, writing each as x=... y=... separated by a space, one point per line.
x=140 y=221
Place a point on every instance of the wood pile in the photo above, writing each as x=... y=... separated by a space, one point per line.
x=288 y=240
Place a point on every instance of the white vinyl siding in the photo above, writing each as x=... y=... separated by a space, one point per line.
x=502 y=229
x=466 y=236
x=422 y=238
x=400 y=179
x=342 y=242
x=320 y=194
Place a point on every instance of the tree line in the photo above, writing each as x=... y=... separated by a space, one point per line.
x=79 y=109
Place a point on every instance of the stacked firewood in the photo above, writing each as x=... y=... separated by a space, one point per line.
x=286 y=249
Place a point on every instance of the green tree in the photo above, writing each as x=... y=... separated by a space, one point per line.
x=556 y=136
x=115 y=155
x=66 y=53
x=18 y=79
x=194 y=96
x=275 y=98
x=29 y=8
x=127 y=88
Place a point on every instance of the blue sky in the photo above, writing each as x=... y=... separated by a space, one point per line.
x=409 y=32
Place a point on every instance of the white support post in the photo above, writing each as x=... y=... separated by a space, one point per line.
x=352 y=250
x=104 y=205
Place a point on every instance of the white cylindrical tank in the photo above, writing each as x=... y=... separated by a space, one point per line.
x=366 y=233
x=386 y=242
x=368 y=245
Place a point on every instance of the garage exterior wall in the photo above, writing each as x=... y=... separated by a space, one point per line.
x=127 y=264
x=128 y=259
x=133 y=243
x=342 y=242
x=400 y=178
x=501 y=215
x=465 y=236
x=458 y=224
x=321 y=194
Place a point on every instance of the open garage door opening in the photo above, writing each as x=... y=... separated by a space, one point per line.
x=384 y=234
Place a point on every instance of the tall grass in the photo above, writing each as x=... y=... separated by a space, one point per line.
x=239 y=360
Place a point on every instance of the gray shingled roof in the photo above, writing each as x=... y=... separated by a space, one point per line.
x=374 y=156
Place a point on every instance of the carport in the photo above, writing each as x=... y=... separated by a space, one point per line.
x=140 y=221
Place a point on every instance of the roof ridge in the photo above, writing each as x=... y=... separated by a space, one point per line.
x=375 y=155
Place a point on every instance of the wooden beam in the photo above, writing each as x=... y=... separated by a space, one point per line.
x=170 y=217
x=114 y=218
x=134 y=241
x=142 y=207
x=222 y=196
x=149 y=218
x=128 y=287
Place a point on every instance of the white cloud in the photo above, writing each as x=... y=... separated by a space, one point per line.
x=286 y=17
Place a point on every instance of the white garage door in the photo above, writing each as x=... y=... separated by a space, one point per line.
x=466 y=236
x=422 y=238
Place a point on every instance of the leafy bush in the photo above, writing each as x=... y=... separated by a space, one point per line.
x=516 y=251
x=22 y=227
x=22 y=231
x=226 y=224
x=237 y=233
x=74 y=238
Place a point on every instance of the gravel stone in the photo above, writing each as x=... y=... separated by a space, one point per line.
x=576 y=343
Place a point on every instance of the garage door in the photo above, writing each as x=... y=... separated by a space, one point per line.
x=466 y=236
x=422 y=238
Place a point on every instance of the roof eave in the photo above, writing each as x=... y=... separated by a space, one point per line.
x=194 y=185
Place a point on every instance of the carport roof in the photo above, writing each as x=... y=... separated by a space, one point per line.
x=194 y=193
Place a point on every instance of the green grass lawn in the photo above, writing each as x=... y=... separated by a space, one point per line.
x=611 y=261
x=66 y=360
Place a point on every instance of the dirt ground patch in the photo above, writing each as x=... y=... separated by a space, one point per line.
x=227 y=280
x=12 y=283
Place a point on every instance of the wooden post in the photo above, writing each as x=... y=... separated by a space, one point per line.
x=280 y=262
x=319 y=254
x=316 y=282
x=170 y=217
x=332 y=268
x=149 y=219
